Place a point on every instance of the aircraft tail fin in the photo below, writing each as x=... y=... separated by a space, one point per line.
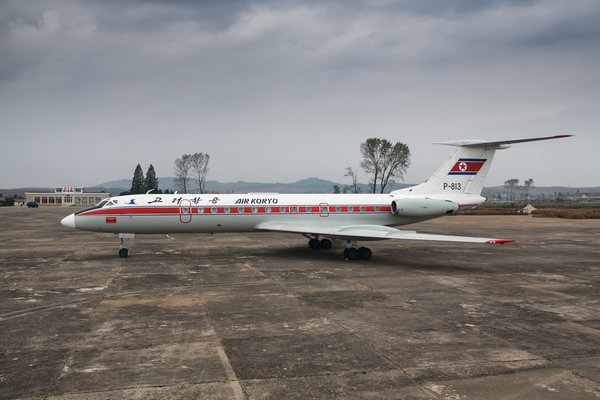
x=466 y=169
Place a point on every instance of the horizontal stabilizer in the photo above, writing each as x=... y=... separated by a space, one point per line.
x=499 y=144
x=370 y=232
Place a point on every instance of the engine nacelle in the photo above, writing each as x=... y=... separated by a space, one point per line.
x=423 y=207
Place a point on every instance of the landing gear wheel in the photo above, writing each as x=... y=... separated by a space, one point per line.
x=314 y=244
x=351 y=253
x=123 y=252
x=325 y=244
x=364 y=253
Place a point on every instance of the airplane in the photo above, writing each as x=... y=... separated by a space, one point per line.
x=322 y=218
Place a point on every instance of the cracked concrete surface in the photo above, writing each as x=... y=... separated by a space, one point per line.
x=261 y=316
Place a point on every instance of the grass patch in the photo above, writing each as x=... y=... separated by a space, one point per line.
x=569 y=210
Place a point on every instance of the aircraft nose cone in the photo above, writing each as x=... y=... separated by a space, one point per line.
x=69 y=221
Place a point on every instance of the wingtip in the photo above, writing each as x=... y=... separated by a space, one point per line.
x=500 y=241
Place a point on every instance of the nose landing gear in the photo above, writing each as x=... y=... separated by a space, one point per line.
x=123 y=251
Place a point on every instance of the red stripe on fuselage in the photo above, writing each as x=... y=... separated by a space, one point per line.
x=175 y=210
x=133 y=210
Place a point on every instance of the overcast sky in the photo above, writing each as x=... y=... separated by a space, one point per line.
x=277 y=91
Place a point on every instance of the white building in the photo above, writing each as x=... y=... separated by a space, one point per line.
x=66 y=196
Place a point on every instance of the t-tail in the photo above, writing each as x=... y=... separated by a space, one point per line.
x=464 y=173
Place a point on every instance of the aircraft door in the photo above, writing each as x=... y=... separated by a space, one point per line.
x=185 y=211
x=324 y=210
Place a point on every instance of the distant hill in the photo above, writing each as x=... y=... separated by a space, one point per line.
x=309 y=185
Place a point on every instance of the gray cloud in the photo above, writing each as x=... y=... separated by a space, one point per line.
x=278 y=91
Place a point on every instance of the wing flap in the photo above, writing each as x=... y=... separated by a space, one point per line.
x=370 y=232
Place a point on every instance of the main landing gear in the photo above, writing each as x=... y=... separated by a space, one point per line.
x=317 y=244
x=351 y=252
x=362 y=253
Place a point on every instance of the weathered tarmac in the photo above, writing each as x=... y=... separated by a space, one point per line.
x=261 y=316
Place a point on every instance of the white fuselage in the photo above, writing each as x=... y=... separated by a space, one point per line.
x=187 y=213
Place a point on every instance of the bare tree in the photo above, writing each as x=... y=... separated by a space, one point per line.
x=511 y=186
x=527 y=186
x=384 y=161
x=507 y=187
x=395 y=163
x=182 y=172
x=354 y=175
x=200 y=169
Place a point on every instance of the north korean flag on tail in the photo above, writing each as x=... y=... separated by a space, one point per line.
x=467 y=166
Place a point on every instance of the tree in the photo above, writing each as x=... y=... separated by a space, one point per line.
x=137 y=183
x=527 y=186
x=507 y=187
x=199 y=163
x=151 y=182
x=511 y=185
x=189 y=165
x=384 y=161
x=182 y=172
x=354 y=175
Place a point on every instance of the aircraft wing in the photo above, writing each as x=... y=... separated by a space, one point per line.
x=370 y=232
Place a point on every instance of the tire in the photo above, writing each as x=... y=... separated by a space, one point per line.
x=314 y=244
x=351 y=254
x=325 y=244
x=364 y=253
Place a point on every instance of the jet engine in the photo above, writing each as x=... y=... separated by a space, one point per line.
x=423 y=207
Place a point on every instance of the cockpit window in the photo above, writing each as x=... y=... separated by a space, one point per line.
x=99 y=205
